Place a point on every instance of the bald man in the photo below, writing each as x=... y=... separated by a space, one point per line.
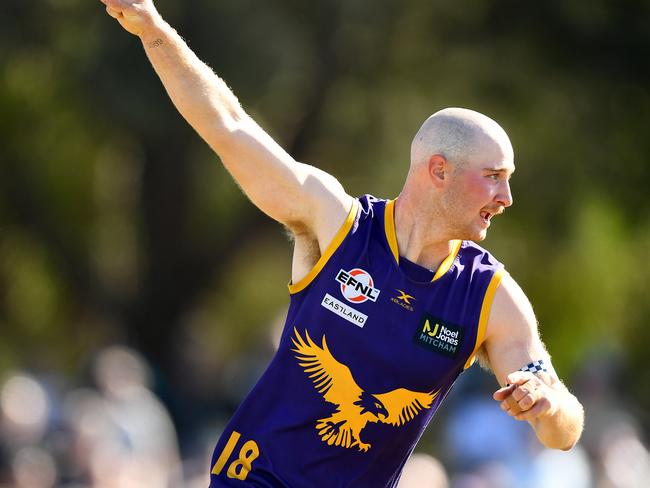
x=390 y=300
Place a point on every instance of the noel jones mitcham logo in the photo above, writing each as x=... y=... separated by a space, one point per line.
x=439 y=336
x=357 y=285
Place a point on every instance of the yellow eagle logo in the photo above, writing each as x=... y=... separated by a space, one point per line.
x=355 y=407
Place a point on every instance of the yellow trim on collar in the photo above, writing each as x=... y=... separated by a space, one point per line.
x=327 y=254
x=485 y=314
x=449 y=260
x=389 y=227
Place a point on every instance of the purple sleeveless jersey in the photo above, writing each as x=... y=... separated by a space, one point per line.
x=371 y=345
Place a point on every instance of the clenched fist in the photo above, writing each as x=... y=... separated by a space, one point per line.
x=136 y=16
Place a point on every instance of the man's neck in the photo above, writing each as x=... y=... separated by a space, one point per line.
x=420 y=237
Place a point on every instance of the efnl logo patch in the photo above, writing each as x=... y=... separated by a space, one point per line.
x=439 y=336
x=357 y=285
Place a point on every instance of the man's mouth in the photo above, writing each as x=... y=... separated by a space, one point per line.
x=487 y=216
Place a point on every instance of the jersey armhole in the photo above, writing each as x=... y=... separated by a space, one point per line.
x=485 y=314
x=329 y=251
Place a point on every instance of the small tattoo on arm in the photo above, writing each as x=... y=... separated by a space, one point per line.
x=156 y=43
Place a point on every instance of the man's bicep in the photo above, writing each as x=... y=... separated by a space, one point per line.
x=293 y=193
x=512 y=341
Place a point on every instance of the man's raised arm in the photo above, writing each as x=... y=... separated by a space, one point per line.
x=295 y=194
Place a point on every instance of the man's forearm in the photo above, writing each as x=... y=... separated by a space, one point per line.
x=562 y=429
x=203 y=98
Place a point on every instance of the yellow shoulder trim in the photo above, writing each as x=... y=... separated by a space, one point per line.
x=327 y=254
x=449 y=260
x=485 y=314
x=389 y=226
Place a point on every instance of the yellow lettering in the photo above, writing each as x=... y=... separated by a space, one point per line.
x=242 y=466
x=427 y=328
x=227 y=451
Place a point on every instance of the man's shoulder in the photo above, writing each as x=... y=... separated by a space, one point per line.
x=368 y=201
x=372 y=208
x=481 y=256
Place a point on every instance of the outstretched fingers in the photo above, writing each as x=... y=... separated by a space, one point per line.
x=503 y=393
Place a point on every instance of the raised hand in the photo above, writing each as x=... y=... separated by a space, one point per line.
x=136 y=16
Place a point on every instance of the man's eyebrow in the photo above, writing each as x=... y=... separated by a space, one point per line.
x=499 y=170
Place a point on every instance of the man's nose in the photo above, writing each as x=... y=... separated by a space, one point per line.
x=504 y=197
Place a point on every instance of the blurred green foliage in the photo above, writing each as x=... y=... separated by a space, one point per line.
x=118 y=223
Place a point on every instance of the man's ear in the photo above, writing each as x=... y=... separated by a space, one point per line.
x=438 y=169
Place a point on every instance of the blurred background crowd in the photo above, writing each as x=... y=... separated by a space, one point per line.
x=141 y=294
x=112 y=430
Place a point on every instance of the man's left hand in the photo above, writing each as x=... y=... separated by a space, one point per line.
x=528 y=396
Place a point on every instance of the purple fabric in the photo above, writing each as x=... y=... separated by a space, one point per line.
x=390 y=353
